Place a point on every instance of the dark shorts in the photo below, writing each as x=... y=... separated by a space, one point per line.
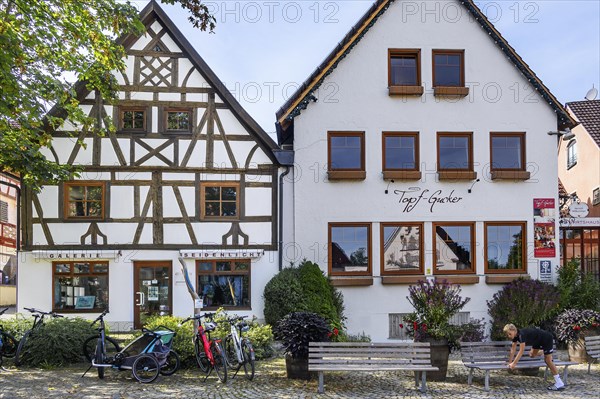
x=546 y=344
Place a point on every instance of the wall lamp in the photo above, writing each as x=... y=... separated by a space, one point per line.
x=566 y=134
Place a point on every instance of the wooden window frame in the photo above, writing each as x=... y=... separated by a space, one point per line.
x=369 y=271
x=203 y=200
x=72 y=274
x=165 y=119
x=147 y=120
x=66 y=200
x=458 y=91
x=346 y=173
x=473 y=247
x=401 y=173
x=416 y=89
x=214 y=272
x=469 y=168
x=596 y=196
x=509 y=173
x=523 y=226
x=421 y=270
x=571 y=162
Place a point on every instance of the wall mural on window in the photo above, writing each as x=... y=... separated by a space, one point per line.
x=544 y=227
x=413 y=196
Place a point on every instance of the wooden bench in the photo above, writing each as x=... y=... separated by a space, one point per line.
x=592 y=347
x=367 y=356
x=488 y=356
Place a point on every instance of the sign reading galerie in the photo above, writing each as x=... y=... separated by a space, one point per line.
x=414 y=196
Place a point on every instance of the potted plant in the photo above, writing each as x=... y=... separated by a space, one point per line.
x=435 y=302
x=574 y=324
x=295 y=331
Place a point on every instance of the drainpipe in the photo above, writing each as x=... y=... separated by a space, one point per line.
x=284 y=174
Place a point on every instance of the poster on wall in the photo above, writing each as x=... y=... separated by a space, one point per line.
x=546 y=271
x=544 y=227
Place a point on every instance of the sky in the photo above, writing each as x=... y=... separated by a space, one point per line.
x=263 y=50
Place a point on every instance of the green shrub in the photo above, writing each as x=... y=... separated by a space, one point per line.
x=296 y=330
x=303 y=289
x=577 y=290
x=58 y=342
x=523 y=303
x=473 y=330
x=17 y=325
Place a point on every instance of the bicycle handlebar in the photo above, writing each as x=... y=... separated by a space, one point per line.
x=104 y=313
x=42 y=313
x=209 y=316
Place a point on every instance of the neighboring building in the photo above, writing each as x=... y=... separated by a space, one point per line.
x=186 y=176
x=9 y=195
x=579 y=173
x=431 y=159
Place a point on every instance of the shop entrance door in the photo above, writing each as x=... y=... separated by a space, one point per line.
x=151 y=291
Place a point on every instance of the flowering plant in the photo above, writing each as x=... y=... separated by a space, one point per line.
x=435 y=302
x=572 y=324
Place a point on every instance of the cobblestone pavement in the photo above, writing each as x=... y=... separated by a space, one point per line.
x=271 y=382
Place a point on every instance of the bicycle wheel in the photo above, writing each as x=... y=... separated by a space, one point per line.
x=110 y=345
x=220 y=364
x=201 y=358
x=99 y=358
x=9 y=345
x=248 y=352
x=172 y=364
x=145 y=368
x=19 y=355
x=231 y=353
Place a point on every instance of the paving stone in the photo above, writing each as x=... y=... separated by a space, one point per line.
x=271 y=382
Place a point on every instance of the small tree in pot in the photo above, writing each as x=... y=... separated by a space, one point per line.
x=295 y=331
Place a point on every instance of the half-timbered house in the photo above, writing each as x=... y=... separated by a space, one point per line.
x=186 y=177
x=429 y=156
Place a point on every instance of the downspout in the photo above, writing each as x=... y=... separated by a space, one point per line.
x=280 y=254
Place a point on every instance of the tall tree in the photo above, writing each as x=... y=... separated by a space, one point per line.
x=46 y=45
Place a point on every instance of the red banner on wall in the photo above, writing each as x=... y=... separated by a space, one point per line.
x=544 y=226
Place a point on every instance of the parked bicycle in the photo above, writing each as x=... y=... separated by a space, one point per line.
x=238 y=349
x=38 y=321
x=209 y=352
x=8 y=343
x=147 y=356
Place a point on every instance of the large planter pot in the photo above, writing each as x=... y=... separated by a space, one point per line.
x=440 y=351
x=297 y=368
x=577 y=352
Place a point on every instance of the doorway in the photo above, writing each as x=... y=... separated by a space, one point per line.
x=152 y=291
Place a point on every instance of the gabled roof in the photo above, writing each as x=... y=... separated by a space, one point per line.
x=304 y=95
x=587 y=113
x=153 y=12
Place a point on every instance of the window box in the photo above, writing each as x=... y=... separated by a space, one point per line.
x=390 y=280
x=351 y=281
x=224 y=283
x=460 y=279
x=349 y=249
x=444 y=91
x=505 y=278
x=457 y=175
x=84 y=200
x=510 y=175
x=346 y=155
x=402 y=175
x=405 y=90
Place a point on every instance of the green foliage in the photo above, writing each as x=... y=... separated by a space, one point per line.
x=473 y=331
x=296 y=330
x=57 y=342
x=362 y=337
x=577 y=290
x=261 y=337
x=17 y=326
x=183 y=340
x=523 y=303
x=45 y=43
x=435 y=303
x=303 y=289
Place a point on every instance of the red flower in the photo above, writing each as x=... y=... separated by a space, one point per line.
x=425 y=327
x=336 y=331
x=328 y=335
x=594 y=325
x=415 y=326
x=401 y=325
x=576 y=328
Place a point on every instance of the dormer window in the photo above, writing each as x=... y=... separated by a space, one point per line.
x=404 y=71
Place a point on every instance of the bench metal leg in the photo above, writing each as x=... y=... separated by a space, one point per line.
x=470 y=378
x=487 y=380
x=423 y=381
x=589 y=365
x=416 y=379
x=321 y=387
x=565 y=374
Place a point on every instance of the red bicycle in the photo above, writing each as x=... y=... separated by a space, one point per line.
x=209 y=352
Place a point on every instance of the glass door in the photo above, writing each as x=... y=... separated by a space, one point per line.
x=151 y=291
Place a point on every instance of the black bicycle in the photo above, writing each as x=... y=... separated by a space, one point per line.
x=8 y=343
x=99 y=345
x=38 y=320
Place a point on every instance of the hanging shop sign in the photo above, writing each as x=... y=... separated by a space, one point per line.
x=544 y=227
x=579 y=210
x=223 y=254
